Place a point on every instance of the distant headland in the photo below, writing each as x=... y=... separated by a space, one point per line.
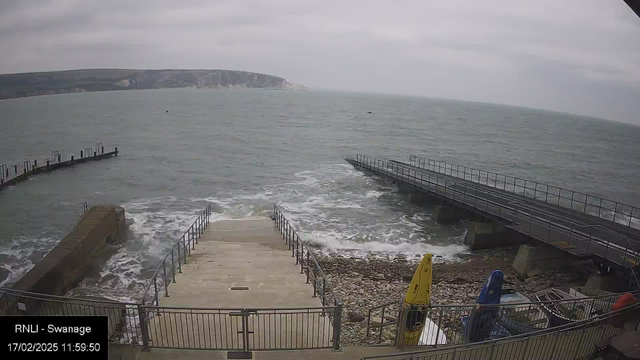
x=71 y=81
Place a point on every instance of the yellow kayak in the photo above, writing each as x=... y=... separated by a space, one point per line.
x=418 y=295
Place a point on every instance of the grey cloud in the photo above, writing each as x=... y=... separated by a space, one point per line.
x=576 y=56
x=51 y=25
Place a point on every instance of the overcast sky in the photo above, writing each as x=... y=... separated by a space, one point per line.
x=578 y=56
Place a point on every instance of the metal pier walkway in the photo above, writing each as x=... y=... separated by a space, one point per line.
x=578 y=224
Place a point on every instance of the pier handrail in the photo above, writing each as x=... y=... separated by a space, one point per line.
x=305 y=258
x=314 y=273
x=631 y=251
x=4 y=173
x=576 y=200
x=11 y=175
x=466 y=194
x=182 y=248
x=55 y=157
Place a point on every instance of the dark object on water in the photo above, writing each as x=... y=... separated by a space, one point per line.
x=482 y=320
x=167 y=110
x=369 y=112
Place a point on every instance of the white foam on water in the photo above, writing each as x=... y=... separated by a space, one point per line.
x=359 y=221
x=362 y=245
x=22 y=252
x=309 y=179
x=373 y=194
x=17 y=270
x=332 y=243
x=336 y=208
x=64 y=203
x=155 y=225
x=340 y=209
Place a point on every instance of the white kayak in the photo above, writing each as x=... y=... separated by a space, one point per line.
x=431 y=332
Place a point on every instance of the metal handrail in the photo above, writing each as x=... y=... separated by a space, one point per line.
x=4 y=173
x=516 y=200
x=553 y=332
x=457 y=310
x=382 y=309
x=27 y=166
x=476 y=175
x=574 y=228
x=635 y=293
x=55 y=157
x=304 y=257
x=314 y=273
x=188 y=240
x=461 y=194
x=238 y=308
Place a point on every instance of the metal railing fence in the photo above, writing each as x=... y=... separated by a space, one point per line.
x=304 y=257
x=11 y=172
x=468 y=323
x=166 y=271
x=4 y=173
x=566 y=342
x=241 y=329
x=561 y=233
x=311 y=268
x=614 y=211
x=382 y=316
x=296 y=328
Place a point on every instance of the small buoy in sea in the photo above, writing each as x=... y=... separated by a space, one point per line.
x=167 y=110
x=369 y=112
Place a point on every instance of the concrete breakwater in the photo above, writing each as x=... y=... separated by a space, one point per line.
x=11 y=175
x=77 y=253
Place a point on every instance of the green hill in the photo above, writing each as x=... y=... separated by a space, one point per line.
x=62 y=82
